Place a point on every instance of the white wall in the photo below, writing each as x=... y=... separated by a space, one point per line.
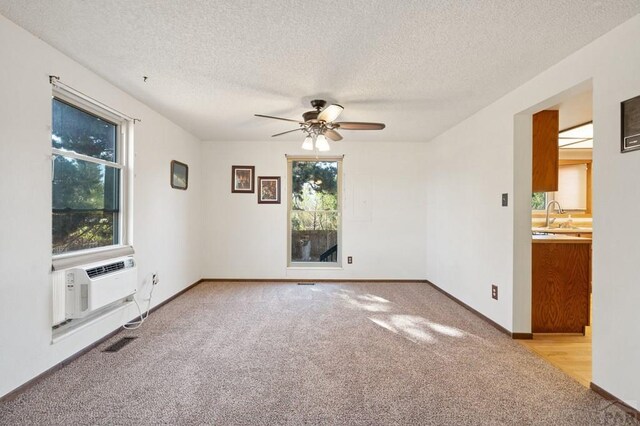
x=469 y=243
x=383 y=212
x=166 y=221
x=473 y=241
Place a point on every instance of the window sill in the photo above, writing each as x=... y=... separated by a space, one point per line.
x=69 y=260
x=317 y=268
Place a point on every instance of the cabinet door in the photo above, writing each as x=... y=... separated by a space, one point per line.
x=560 y=284
x=545 y=151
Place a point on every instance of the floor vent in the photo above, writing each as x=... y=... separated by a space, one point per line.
x=306 y=283
x=120 y=344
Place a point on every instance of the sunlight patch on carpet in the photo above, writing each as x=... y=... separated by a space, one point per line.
x=373 y=298
x=416 y=328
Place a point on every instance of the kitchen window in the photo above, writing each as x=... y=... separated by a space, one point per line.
x=539 y=201
x=574 y=188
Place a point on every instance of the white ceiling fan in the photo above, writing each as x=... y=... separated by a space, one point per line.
x=320 y=124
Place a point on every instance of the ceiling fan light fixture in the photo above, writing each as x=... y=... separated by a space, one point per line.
x=307 y=145
x=321 y=144
x=320 y=125
x=330 y=113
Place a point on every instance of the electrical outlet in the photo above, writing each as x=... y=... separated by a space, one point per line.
x=494 y=291
x=154 y=278
x=349 y=260
x=505 y=200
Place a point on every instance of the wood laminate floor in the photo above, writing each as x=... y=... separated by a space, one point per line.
x=571 y=354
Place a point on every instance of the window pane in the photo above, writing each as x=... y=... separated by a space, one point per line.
x=538 y=200
x=84 y=133
x=572 y=187
x=314 y=236
x=314 y=185
x=80 y=230
x=85 y=205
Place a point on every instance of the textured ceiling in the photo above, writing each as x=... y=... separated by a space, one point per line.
x=419 y=66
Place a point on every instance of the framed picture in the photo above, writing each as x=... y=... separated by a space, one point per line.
x=269 y=190
x=242 y=179
x=179 y=175
x=630 y=113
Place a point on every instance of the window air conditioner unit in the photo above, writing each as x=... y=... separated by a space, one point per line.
x=96 y=285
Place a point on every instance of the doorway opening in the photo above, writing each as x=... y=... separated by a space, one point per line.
x=561 y=234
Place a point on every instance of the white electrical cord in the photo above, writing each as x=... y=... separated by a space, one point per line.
x=136 y=324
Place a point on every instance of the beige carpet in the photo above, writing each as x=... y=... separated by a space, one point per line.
x=279 y=353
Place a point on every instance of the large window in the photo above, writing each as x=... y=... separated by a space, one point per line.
x=87 y=179
x=314 y=212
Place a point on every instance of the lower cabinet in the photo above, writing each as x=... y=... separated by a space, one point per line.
x=561 y=281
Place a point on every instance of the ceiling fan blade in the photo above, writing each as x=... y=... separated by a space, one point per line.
x=333 y=135
x=330 y=113
x=278 y=118
x=284 y=133
x=355 y=125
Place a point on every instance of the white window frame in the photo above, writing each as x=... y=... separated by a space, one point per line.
x=314 y=265
x=124 y=162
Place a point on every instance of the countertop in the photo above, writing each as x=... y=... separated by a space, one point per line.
x=562 y=239
x=563 y=230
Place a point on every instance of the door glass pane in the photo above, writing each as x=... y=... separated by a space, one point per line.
x=81 y=132
x=314 y=211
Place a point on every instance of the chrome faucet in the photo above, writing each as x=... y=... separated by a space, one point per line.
x=546 y=223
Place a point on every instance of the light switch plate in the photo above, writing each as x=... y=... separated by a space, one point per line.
x=505 y=200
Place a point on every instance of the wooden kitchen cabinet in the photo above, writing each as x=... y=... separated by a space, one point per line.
x=561 y=286
x=545 y=151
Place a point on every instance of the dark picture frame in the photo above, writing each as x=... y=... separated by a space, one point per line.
x=242 y=179
x=179 y=175
x=630 y=125
x=268 y=189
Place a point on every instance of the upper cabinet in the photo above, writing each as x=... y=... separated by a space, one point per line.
x=545 y=151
